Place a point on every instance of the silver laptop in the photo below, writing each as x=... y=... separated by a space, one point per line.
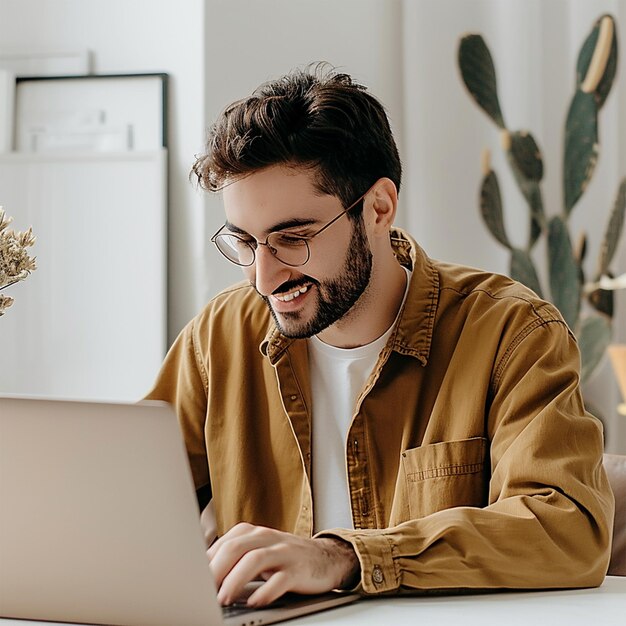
x=99 y=521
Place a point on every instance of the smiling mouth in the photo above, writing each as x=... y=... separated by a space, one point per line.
x=292 y=295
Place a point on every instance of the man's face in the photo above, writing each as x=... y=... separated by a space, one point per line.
x=307 y=299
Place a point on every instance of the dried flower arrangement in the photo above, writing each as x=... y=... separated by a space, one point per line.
x=15 y=262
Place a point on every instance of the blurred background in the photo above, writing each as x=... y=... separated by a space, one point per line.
x=215 y=51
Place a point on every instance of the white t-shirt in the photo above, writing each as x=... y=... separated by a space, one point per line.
x=337 y=377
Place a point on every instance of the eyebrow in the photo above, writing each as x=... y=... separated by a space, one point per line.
x=284 y=225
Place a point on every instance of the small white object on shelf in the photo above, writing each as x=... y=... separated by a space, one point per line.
x=48 y=61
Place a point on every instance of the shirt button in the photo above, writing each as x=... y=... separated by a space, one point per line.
x=293 y=397
x=377 y=575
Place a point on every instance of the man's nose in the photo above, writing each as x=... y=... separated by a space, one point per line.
x=269 y=271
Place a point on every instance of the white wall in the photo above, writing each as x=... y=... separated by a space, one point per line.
x=128 y=36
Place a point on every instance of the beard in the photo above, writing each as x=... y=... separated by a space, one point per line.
x=336 y=296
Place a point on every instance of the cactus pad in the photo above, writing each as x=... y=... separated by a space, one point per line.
x=491 y=208
x=594 y=336
x=613 y=230
x=581 y=147
x=523 y=270
x=609 y=69
x=564 y=275
x=479 y=75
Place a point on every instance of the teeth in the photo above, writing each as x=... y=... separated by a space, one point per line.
x=294 y=294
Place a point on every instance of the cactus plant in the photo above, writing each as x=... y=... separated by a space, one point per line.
x=568 y=290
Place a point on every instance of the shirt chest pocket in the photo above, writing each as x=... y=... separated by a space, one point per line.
x=444 y=475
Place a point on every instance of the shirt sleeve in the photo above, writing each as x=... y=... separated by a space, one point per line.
x=182 y=381
x=549 y=515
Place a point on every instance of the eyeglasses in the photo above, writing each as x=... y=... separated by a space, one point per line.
x=292 y=250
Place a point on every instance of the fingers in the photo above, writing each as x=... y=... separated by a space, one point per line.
x=239 y=530
x=286 y=562
x=243 y=554
x=225 y=553
x=277 y=585
x=251 y=566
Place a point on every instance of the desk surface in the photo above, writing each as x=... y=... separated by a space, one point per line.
x=605 y=605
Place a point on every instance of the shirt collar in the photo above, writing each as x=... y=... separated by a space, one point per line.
x=414 y=329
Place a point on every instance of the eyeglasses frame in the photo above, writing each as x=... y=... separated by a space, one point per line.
x=305 y=238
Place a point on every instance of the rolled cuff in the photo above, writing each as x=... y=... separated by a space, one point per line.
x=375 y=551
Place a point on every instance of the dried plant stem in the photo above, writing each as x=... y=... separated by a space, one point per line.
x=15 y=262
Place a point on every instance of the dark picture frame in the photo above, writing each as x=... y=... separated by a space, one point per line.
x=92 y=112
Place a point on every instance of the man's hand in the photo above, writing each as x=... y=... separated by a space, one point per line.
x=286 y=562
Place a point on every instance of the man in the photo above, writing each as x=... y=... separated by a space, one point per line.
x=360 y=415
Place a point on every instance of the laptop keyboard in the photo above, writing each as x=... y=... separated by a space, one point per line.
x=240 y=607
x=235 y=609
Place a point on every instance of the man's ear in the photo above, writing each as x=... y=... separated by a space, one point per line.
x=380 y=206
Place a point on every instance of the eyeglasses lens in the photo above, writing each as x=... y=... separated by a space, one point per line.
x=290 y=250
x=235 y=249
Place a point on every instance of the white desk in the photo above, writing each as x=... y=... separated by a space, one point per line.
x=604 y=606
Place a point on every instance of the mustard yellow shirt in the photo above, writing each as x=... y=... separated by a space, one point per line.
x=471 y=460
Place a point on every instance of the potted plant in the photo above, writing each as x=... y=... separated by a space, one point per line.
x=586 y=305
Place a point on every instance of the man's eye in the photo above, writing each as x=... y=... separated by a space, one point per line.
x=246 y=240
x=238 y=243
x=284 y=239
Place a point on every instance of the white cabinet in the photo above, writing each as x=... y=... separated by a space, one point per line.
x=90 y=322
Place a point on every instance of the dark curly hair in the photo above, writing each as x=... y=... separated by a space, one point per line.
x=314 y=118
